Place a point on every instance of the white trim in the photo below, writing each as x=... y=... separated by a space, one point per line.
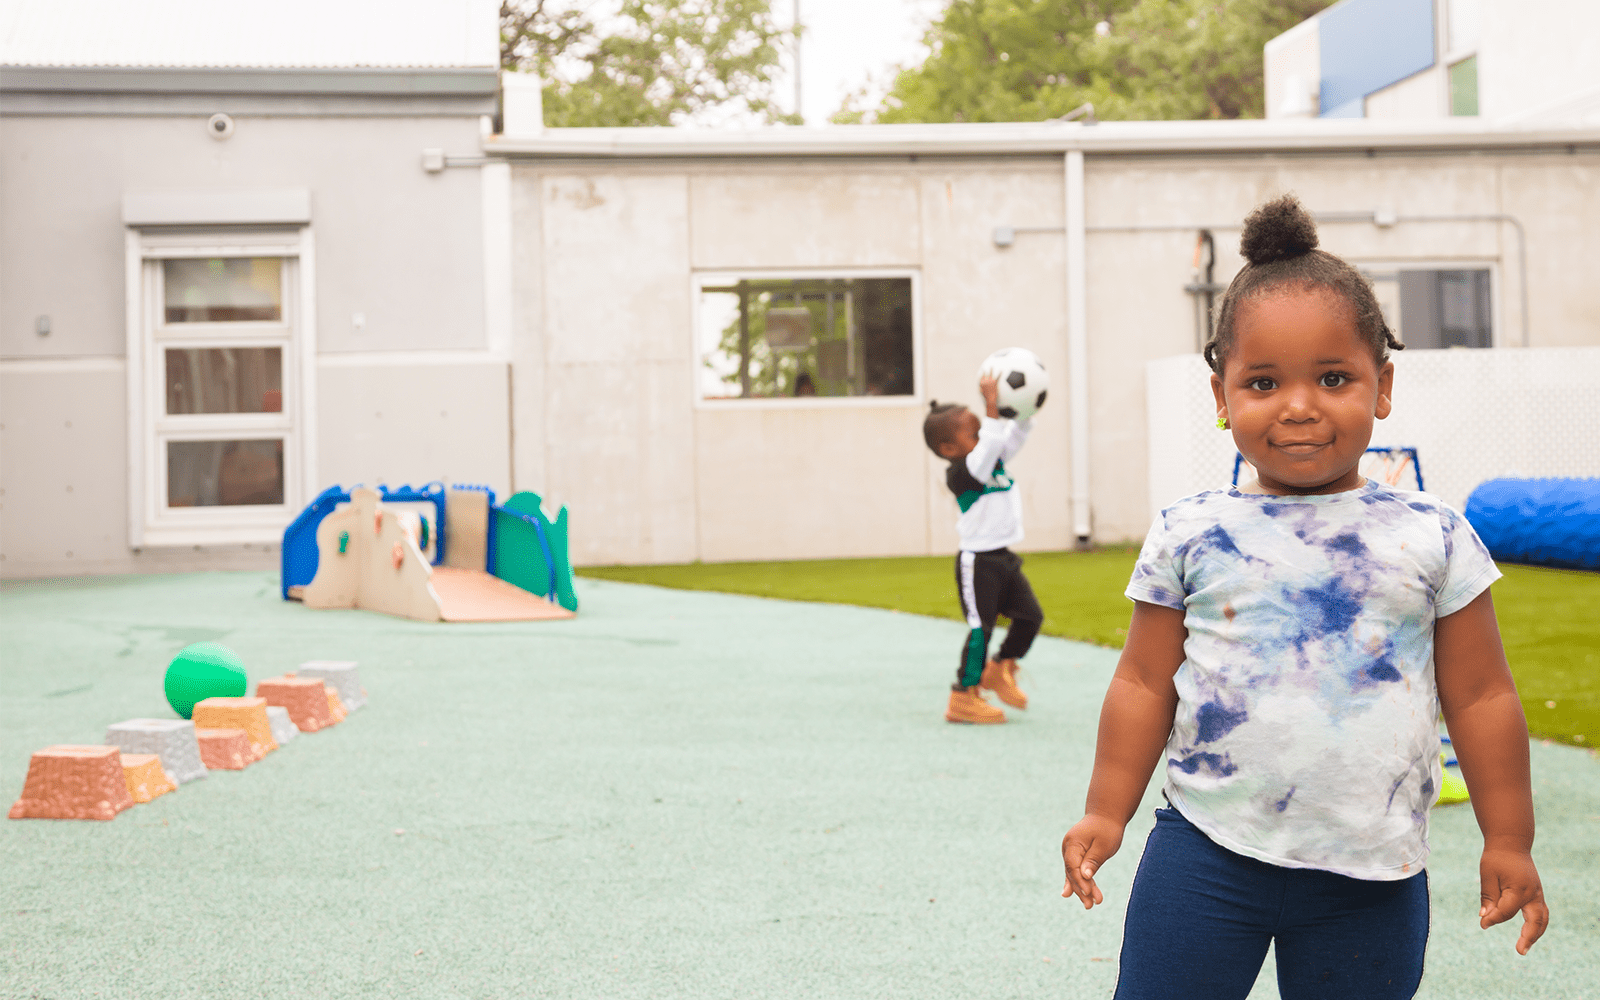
x=403 y=359
x=261 y=206
x=1077 y=345
x=1327 y=135
x=305 y=287
x=63 y=365
x=699 y=279
x=226 y=243
x=138 y=299
x=151 y=521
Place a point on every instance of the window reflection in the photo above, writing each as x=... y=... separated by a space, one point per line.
x=224 y=380
x=224 y=473
x=223 y=289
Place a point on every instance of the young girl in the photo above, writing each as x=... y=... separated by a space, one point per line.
x=1292 y=644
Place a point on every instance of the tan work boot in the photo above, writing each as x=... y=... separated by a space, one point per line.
x=1000 y=676
x=967 y=705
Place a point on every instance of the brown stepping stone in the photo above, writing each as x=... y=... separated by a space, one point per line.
x=305 y=698
x=145 y=777
x=73 y=782
x=336 y=706
x=249 y=714
x=224 y=749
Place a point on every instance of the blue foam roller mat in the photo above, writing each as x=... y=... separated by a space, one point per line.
x=1547 y=522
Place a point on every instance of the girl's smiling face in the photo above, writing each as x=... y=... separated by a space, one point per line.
x=1300 y=390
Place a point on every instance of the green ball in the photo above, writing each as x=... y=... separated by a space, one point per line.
x=204 y=670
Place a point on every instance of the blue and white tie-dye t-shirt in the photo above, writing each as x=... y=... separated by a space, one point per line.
x=1306 y=731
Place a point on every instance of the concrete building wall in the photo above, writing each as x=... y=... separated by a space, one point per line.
x=398 y=274
x=605 y=356
x=614 y=428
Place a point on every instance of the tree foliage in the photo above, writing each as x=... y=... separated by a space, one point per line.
x=1031 y=60
x=647 y=62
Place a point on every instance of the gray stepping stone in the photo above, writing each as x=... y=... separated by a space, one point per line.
x=283 y=728
x=342 y=676
x=172 y=740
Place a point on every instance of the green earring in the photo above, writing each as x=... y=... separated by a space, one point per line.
x=1222 y=423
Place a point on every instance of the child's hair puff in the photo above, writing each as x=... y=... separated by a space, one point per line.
x=937 y=425
x=1279 y=245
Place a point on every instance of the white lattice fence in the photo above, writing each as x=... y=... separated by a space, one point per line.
x=1472 y=415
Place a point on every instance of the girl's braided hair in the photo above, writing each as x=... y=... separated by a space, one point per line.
x=1279 y=245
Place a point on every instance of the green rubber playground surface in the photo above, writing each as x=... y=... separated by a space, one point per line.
x=1549 y=618
x=676 y=794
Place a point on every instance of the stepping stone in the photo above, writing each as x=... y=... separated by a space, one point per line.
x=69 y=781
x=224 y=749
x=304 y=698
x=336 y=705
x=283 y=727
x=342 y=676
x=249 y=714
x=145 y=778
x=170 y=739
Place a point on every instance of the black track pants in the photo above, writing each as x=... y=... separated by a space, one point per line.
x=991 y=584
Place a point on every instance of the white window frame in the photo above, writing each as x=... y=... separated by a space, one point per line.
x=1385 y=266
x=151 y=522
x=698 y=280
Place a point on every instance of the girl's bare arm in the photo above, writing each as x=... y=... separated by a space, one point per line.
x=1490 y=737
x=1135 y=722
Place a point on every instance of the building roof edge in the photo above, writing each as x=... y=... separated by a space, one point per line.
x=962 y=139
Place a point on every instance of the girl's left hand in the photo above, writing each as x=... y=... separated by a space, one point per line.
x=1510 y=882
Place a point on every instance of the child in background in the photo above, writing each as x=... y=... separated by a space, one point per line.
x=989 y=576
x=1292 y=643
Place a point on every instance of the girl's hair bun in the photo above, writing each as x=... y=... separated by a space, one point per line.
x=1278 y=230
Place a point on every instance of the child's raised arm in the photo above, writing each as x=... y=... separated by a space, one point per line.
x=1135 y=722
x=1490 y=736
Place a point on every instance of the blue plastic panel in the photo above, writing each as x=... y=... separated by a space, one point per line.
x=1550 y=522
x=1367 y=45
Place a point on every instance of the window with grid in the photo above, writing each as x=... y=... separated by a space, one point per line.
x=217 y=393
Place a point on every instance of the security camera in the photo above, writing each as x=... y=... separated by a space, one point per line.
x=220 y=126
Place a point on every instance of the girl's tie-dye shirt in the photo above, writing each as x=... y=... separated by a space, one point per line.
x=1306 y=731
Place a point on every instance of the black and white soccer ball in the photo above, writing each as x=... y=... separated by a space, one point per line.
x=1023 y=381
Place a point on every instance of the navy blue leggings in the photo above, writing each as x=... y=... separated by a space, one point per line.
x=1200 y=918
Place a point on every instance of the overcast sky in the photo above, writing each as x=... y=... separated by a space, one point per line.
x=852 y=43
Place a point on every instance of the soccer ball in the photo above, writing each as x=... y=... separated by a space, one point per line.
x=1023 y=381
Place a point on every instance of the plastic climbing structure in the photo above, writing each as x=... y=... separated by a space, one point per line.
x=431 y=553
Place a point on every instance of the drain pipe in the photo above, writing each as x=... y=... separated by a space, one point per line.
x=1077 y=347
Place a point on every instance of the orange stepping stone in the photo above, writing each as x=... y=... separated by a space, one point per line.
x=145 y=776
x=73 y=782
x=249 y=714
x=224 y=749
x=336 y=706
x=304 y=697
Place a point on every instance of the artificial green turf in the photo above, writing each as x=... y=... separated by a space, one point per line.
x=1549 y=618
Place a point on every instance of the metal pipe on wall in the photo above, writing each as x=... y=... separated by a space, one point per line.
x=1077 y=346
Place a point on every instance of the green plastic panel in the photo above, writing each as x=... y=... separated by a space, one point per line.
x=519 y=558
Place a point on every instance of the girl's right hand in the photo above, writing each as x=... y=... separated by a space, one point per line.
x=1087 y=846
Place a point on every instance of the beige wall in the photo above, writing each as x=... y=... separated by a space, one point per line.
x=1138 y=312
x=606 y=415
x=402 y=247
x=607 y=421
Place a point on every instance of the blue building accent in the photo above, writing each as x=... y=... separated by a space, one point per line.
x=1367 y=45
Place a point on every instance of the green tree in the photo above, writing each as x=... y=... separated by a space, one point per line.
x=653 y=62
x=1031 y=60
